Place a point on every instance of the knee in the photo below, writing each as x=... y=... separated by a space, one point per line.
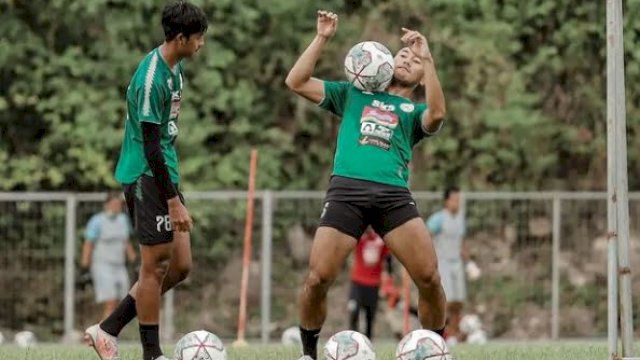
x=428 y=278
x=318 y=281
x=155 y=270
x=183 y=269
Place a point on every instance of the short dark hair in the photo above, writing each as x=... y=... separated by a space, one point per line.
x=450 y=190
x=111 y=195
x=183 y=17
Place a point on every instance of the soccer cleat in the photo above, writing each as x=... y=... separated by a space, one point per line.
x=105 y=344
x=162 y=358
x=306 y=357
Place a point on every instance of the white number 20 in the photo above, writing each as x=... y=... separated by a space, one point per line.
x=163 y=220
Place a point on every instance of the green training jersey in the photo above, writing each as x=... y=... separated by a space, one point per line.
x=376 y=135
x=153 y=95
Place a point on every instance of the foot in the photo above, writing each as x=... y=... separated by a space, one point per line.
x=105 y=345
x=306 y=357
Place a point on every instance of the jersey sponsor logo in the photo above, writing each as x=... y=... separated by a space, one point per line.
x=385 y=118
x=172 y=128
x=382 y=106
x=175 y=105
x=376 y=127
x=407 y=107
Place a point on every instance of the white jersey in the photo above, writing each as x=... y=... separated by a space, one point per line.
x=448 y=230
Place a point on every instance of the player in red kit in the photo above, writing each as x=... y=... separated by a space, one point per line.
x=366 y=276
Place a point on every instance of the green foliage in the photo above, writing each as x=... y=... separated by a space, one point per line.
x=525 y=87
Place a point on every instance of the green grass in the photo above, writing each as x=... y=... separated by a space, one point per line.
x=523 y=351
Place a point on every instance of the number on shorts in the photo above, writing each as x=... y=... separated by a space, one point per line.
x=163 y=220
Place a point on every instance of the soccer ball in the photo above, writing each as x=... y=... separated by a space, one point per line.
x=369 y=66
x=25 y=339
x=422 y=345
x=349 y=345
x=199 y=345
x=470 y=323
x=291 y=336
x=477 y=337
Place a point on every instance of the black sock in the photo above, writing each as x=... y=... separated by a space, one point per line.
x=150 y=342
x=120 y=317
x=439 y=332
x=310 y=342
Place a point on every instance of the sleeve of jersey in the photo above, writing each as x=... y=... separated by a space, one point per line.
x=434 y=224
x=155 y=158
x=419 y=131
x=92 y=232
x=335 y=96
x=151 y=99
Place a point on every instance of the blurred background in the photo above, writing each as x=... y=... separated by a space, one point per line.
x=525 y=139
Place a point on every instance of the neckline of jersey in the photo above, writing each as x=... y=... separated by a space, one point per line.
x=174 y=70
x=386 y=93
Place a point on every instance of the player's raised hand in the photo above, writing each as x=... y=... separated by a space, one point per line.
x=416 y=42
x=327 y=23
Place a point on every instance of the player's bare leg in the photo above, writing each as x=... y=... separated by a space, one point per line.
x=179 y=268
x=411 y=244
x=179 y=265
x=328 y=253
x=155 y=264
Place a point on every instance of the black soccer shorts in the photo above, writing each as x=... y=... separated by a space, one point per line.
x=351 y=205
x=149 y=211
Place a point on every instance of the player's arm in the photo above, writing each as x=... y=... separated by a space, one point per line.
x=465 y=254
x=91 y=234
x=433 y=118
x=434 y=223
x=300 y=78
x=151 y=134
x=87 y=253
x=131 y=252
x=151 y=99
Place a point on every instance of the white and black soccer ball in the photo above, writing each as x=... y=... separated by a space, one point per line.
x=200 y=345
x=25 y=339
x=369 y=66
x=292 y=337
x=349 y=345
x=470 y=323
x=423 y=345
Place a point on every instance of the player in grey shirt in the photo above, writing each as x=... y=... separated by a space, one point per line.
x=106 y=244
x=447 y=227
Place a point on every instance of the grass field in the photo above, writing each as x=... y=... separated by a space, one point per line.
x=548 y=351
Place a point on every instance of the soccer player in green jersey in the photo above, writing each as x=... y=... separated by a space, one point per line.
x=369 y=184
x=148 y=170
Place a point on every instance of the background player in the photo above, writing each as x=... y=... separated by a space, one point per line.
x=448 y=227
x=105 y=251
x=366 y=276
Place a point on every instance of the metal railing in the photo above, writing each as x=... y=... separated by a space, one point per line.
x=540 y=251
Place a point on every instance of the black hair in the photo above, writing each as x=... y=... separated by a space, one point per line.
x=449 y=191
x=112 y=195
x=183 y=17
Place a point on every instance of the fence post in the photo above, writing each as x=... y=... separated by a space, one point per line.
x=267 y=242
x=69 y=264
x=555 y=268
